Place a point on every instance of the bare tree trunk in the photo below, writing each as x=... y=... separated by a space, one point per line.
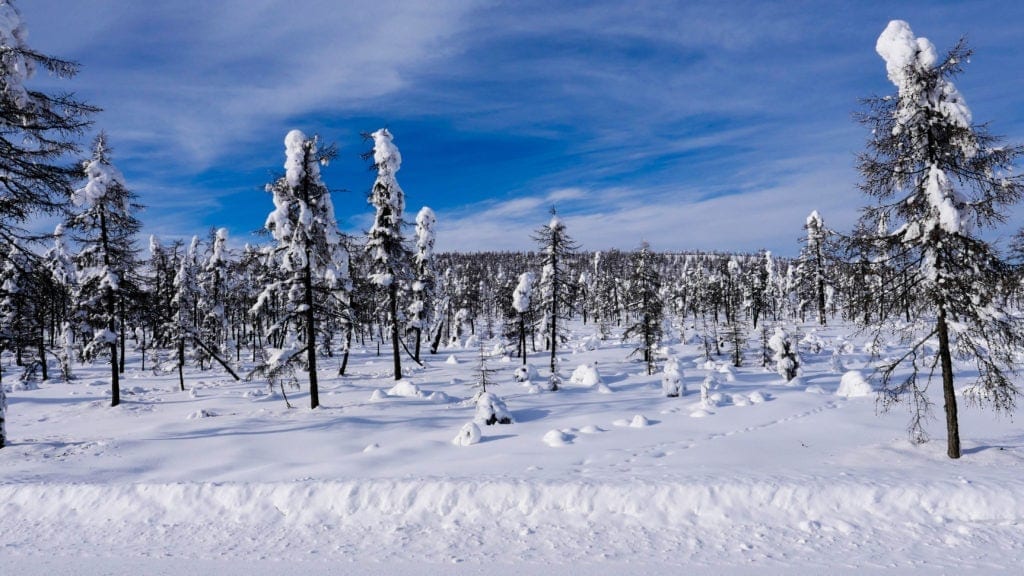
x=948 y=392
x=393 y=305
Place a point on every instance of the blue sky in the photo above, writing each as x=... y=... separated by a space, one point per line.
x=691 y=125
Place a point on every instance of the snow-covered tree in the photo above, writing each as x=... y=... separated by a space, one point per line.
x=784 y=353
x=555 y=247
x=37 y=132
x=423 y=285
x=216 y=286
x=183 y=320
x=812 y=271
x=312 y=260
x=937 y=179
x=385 y=244
x=522 y=303
x=104 y=227
x=646 y=304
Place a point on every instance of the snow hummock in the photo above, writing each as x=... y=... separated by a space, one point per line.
x=853 y=385
x=468 y=435
x=586 y=375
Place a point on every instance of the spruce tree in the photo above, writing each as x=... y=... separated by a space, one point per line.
x=555 y=248
x=385 y=244
x=937 y=180
x=38 y=132
x=104 y=227
x=312 y=260
x=646 y=304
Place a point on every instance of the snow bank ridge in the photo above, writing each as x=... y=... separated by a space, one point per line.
x=404 y=502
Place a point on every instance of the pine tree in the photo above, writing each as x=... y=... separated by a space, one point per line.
x=522 y=303
x=423 y=285
x=385 y=243
x=812 y=271
x=104 y=228
x=310 y=255
x=646 y=304
x=939 y=179
x=555 y=246
x=37 y=132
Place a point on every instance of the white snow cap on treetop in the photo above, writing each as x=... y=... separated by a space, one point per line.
x=900 y=49
x=295 y=152
x=385 y=154
x=102 y=177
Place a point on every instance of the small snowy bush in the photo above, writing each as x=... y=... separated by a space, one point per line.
x=586 y=375
x=672 y=384
x=491 y=410
x=787 y=362
x=468 y=435
x=526 y=373
x=853 y=385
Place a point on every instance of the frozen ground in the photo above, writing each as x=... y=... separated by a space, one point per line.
x=607 y=478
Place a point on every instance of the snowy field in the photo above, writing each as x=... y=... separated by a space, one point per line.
x=607 y=477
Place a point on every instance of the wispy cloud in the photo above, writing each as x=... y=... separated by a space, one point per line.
x=689 y=124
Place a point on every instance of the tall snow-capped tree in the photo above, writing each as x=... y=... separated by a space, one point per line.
x=938 y=179
x=64 y=277
x=522 y=303
x=37 y=132
x=647 y=306
x=216 y=285
x=812 y=265
x=385 y=244
x=309 y=251
x=104 y=227
x=555 y=248
x=423 y=284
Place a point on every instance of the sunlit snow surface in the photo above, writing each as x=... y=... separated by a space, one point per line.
x=773 y=478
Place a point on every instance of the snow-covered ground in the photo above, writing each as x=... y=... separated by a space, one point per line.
x=606 y=476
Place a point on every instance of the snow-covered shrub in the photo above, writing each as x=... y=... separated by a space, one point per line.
x=854 y=385
x=526 y=373
x=468 y=435
x=835 y=362
x=491 y=410
x=672 y=384
x=710 y=383
x=787 y=362
x=586 y=375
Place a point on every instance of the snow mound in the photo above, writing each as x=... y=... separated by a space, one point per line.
x=757 y=397
x=440 y=398
x=468 y=435
x=371 y=448
x=526 y=373
x=203 y=413
x=814 y=389
x=591 y=429
x=556 y=438
x=700 y=413
x=406 y=389
x=378 y=395
x=451 y=360
x=853 y=385
x=586 y=375
x=639 y=421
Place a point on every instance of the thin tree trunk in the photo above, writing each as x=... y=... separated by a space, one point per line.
x=314 y=388
x=949 y=393
x=393 y=305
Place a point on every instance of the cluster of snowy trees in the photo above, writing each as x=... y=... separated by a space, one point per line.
x=916 y=261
